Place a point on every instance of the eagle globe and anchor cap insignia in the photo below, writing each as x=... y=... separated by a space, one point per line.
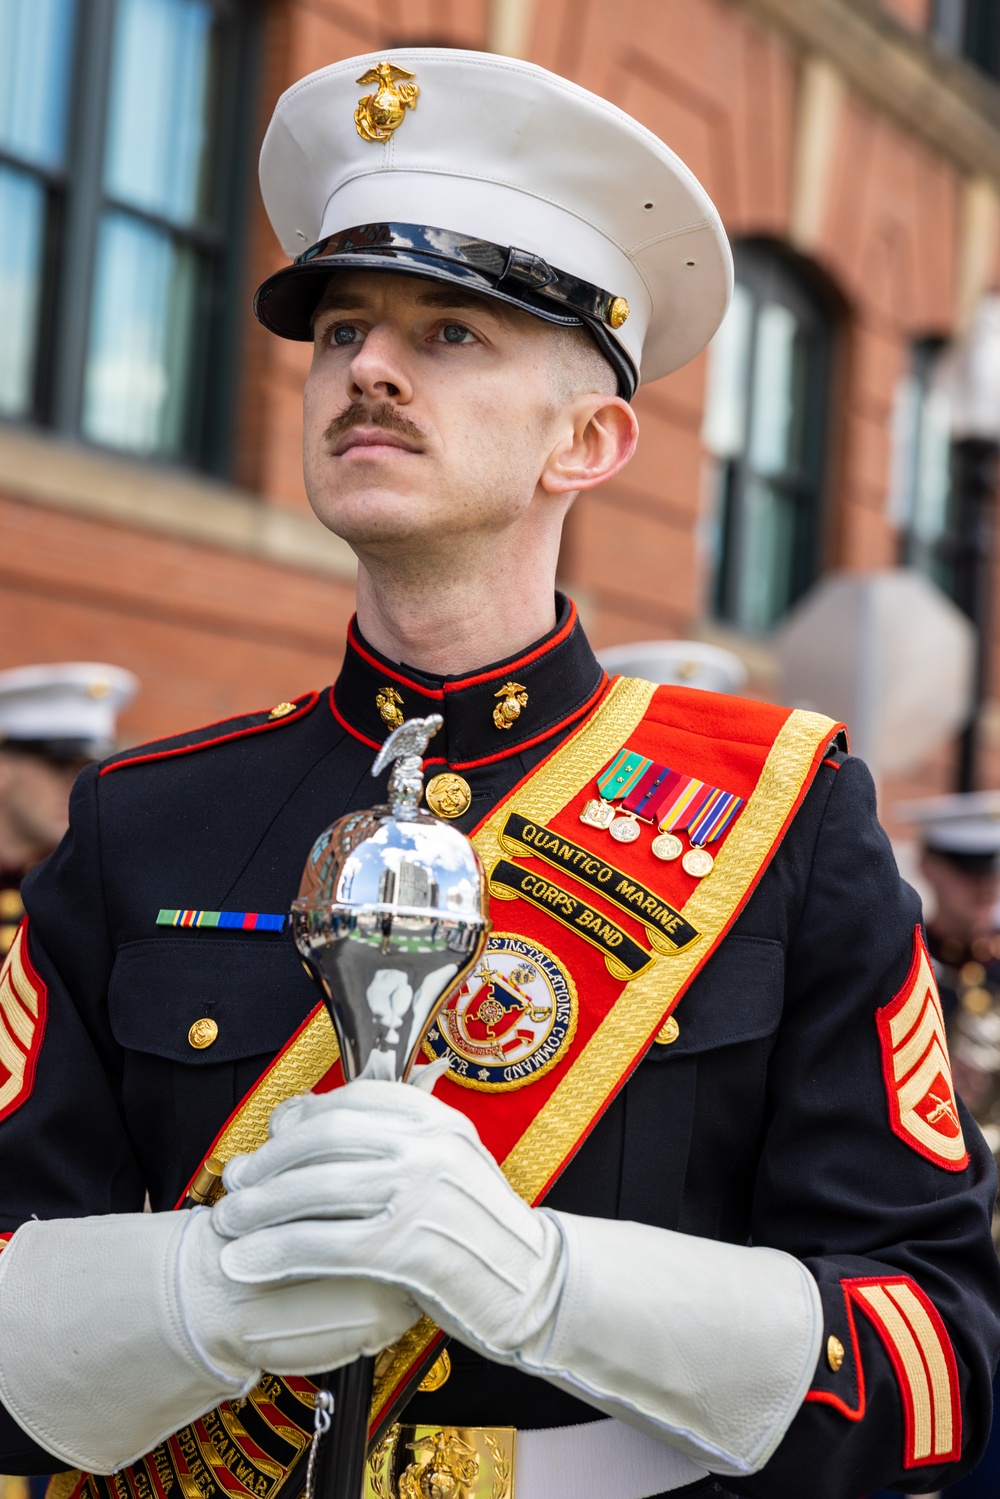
x=511 y=1021
x=379 y=114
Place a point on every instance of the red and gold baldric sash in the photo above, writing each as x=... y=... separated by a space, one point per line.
x=594 y=944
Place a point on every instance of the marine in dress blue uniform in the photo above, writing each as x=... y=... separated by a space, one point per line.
x=778 y=1111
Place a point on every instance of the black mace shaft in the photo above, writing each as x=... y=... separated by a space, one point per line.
x=340 y=1460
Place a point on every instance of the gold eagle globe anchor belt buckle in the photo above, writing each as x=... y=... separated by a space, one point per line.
x=442 y=1462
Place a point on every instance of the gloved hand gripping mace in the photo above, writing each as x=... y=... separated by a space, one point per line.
x=390 y=919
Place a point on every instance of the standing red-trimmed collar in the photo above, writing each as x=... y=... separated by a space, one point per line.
x=535 y=695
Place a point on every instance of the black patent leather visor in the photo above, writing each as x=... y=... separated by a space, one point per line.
x=286 y=302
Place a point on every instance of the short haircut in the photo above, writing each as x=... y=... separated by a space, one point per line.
x=580 y=367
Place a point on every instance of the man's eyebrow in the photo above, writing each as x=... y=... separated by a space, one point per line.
x=342 y=301
x=447 y=297
x=444 y=297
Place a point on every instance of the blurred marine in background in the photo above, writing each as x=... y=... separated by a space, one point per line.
x=54 y=720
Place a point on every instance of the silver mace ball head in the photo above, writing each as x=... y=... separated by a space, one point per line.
x=390 y=916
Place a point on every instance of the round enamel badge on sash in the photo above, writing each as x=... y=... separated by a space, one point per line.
x=511 y=1021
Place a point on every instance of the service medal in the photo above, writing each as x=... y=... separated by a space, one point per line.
x=598 y=814
x=625 y=829
x=698 y=862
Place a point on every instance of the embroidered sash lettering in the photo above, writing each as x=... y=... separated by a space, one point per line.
x=624 y=957
x=668 y=929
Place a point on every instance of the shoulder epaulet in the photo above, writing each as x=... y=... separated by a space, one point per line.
x=212 y=734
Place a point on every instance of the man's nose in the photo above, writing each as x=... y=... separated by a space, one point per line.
x=378 y=368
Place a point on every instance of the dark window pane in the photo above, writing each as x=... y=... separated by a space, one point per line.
x=36 y=46
x=22 y=235
x=161 y=101
x=728 y=378
x=949 y=24
x=137 y=385
x=764 y=423
x=765 y=581
x=920 y=492
x=982 y=40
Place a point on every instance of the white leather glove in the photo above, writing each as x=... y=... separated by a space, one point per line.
x=119 y=1330
x=708 y=1346
x=417 y=1201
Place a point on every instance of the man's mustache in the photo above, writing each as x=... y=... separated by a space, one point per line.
x=382 y=414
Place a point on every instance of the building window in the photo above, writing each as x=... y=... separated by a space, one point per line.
x=120 y=162
x=765 y=424
x=920 y=488
x=970 y=29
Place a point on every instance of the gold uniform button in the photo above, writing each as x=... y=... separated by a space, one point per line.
x=437 y=1375
x=668 y=1032
x=281 y=710
x=448 y=795
x=834 y=1353
x=203 y=1033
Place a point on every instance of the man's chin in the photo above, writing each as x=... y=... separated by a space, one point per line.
x=375 y=520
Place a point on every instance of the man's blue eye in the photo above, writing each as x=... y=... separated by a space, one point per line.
x=454 y=333
x=345 y=335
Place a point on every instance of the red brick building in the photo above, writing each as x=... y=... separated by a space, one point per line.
x=151 y=503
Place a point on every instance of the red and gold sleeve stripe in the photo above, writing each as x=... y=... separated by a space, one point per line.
x=923 y=1361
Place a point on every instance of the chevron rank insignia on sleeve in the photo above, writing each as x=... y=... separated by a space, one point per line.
x=923 y=1109
x=23 y=999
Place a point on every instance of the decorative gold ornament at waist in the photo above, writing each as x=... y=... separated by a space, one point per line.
x=448 y=795
x=442 y=1462
x=379 y=114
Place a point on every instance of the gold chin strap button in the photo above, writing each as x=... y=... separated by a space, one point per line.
x=834 y=1353
x=618 y=312
x=448 y=795
x=203 y=1033
x=668 y=1032
x=438 y=1374
x=281 y=710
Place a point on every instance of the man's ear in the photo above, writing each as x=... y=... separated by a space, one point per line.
x=597 y=445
